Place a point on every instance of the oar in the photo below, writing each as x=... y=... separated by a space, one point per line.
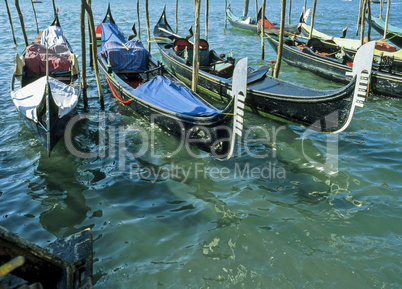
x=171 y=33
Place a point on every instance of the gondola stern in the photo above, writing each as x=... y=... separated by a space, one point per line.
x=56 y=21
x=108 y=16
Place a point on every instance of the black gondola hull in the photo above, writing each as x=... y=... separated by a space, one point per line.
x=303 y=111
x=269 y=96
x=56 y=132
x=210 y=134
x=245 y=26
x=329 y=68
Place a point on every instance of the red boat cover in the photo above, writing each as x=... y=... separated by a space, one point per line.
x=267 y=24
x=383 y=45
x=59 y=58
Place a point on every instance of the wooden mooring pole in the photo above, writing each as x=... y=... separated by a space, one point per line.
x=206 y=18
x=256 y=10
x=359 y=17
x=290 y=11
x=281 y=34
x=83 y=55
x=36 y=19
x=176 y=14
x=24 y=33
x=245 y=9
x=386 y=19
x=262 y=29
x=362 y=20
x=148 y=28
x=138 y=16
x=226 y=18
x=90 y=40
x=196 y=50
x=87 y=8
x=11 y=21
x=312 y=19
x=369 y=20
x=381 y=7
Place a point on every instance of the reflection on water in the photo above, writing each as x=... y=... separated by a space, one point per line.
x=280 y=214
x=61 y=195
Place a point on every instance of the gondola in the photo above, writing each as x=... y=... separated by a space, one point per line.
x=267 y=96
x=335 y=64
x=141 y=83
x=270 y=27
x=46 y=85
x=252 y=24
x=383 y=48
x=394 y=34
x=246 y=23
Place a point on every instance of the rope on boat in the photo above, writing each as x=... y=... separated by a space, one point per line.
x=116 y=95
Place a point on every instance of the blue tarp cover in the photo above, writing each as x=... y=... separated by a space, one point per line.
x=124 y=56
x=168 y=95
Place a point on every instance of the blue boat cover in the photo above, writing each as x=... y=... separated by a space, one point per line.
x=124 y=56
x=170 y=96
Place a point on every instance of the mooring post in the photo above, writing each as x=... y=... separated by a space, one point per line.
x=290 y=11
x=386 y=19
x=138 y=16
x=36 y=20
x=94 y=53
x=11 y=21
x=245 y=9
x=262 y=29
x=83 y=55
x=312 y=19
x=17 y=6
x=196 y=49
x=148 y=28
x=381 y=7
x=206 y=18
x=226 y=18
x=256 y=10
x=90 y=39
x=369 y=20
x=176 y=14
x=280 y=46
x=362 y=19
x=359 y=17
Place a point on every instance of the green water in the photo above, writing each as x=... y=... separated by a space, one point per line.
x=282 y=213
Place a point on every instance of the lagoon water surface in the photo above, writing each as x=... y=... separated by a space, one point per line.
x=292 y=209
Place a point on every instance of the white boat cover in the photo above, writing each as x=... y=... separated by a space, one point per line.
x=29 y=97
x=54 y=35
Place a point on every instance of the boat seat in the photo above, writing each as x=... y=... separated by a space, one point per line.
x=310 y=51
x=184 y=49
x=204 y=52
